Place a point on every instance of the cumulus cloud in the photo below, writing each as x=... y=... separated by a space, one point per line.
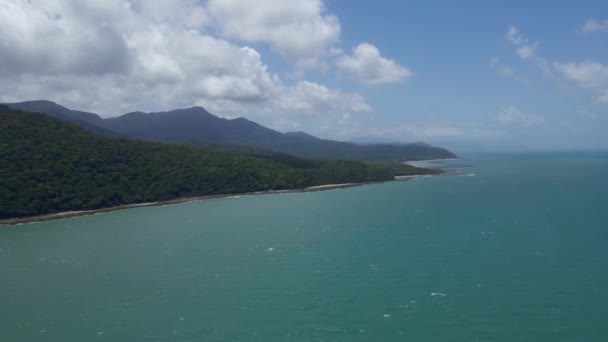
x=313 y=99
x=300 y=30
x=513 y=116
x=114 y=56
x=586 y=74
x=303 y=101
x=590 y=75
x=595 y=26
x=62 y=40
x=367 y=66
x=524 y=48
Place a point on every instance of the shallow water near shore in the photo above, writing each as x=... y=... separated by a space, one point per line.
x=515 y=253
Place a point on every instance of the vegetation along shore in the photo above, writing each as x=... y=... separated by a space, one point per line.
x=76 y=213
x=50 y=168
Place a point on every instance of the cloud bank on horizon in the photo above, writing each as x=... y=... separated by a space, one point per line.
x=292 y=65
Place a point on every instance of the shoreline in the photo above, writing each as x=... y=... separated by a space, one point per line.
x=76 y=213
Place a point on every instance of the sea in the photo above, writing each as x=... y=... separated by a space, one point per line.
x=514 y=248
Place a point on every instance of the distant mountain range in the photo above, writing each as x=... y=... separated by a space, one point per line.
x=197 y=126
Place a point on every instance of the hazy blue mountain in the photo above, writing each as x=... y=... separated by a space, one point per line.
x=197 y=125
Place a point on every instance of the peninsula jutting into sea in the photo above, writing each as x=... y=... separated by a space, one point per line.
x=50 y=165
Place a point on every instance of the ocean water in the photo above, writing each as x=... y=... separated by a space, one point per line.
x=518 y=252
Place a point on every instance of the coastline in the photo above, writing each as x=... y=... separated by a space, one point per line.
x=76 y=213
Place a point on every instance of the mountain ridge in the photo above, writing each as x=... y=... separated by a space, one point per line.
x=197 y=125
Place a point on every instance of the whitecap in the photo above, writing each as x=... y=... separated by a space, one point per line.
x=438 y=294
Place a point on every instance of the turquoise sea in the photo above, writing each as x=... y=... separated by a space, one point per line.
x=517 y=252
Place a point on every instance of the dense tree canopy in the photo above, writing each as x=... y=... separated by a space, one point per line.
x=48 y=165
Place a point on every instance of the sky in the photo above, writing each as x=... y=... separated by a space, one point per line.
x=467 y=75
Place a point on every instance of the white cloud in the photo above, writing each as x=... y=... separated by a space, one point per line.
x=513 y=116
x=367 y=66
x=312 y=99
x=300 y=30
x=524 y=49
x=514 y=37
x=303 y=101
x=61 y=41
x=585 y=74
x=595 y=26
x=506 y=71
x=113 y=56
x=589 y=75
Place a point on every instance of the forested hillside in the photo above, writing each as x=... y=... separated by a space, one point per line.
x=48 y=165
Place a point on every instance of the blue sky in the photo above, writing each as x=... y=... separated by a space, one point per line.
x=467 y=75
x=449 y=47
